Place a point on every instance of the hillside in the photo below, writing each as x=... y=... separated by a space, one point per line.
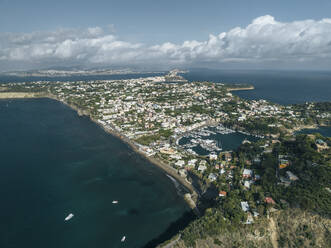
x=287 y=228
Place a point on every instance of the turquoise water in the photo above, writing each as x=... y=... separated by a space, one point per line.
x=54 y=162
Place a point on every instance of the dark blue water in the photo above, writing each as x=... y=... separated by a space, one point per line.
x=325 y=131
x=54 y=162
x=14 y=79
x=283 y=87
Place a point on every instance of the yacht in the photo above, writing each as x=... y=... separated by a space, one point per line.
x=69 y=217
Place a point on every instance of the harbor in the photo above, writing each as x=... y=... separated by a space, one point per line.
x=213 y=140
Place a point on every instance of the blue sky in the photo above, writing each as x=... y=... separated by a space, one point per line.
x=144 y=24
x=153 y=20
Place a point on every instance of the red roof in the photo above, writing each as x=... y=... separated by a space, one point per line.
x=269 y=200
x=222 y=193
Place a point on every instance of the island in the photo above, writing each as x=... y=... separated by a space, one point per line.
x=246 y=194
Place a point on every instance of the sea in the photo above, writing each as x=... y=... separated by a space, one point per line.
x=54 y=162
x=324 y=130
x=282 y=87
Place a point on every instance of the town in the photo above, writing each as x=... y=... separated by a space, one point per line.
x=154 y=116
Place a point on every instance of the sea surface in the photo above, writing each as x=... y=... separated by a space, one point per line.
x=54 y=162
x=325 y=131
x=283 y=87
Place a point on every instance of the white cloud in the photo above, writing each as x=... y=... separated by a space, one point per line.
x=263 y=41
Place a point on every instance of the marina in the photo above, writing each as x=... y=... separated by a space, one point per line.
x=213 y=139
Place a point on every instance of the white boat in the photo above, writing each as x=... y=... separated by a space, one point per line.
x=114 y=202
x=123 y=239
x=69 y=217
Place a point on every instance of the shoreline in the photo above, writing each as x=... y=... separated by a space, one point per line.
x=299 y=128
x=243 y=88
x=167 y=169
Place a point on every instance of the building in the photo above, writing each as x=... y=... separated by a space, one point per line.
x=269 y=200
x=213 y=156
x=202 y=168
x=291 y=176
x=212 y=177
x=222 y=194
x=247 y=173
x=283 y=163
x=244 y=206
x=180 y=163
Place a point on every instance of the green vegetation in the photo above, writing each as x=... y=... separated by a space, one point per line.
x=148 y=139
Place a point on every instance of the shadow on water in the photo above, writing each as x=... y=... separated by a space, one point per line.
x=208 y=195
x=172 y=229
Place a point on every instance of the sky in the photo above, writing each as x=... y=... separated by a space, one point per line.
x=152 y=34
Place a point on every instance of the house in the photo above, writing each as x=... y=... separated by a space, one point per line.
x=202 y=168
x=244 y=206
x=191 y=163
x=222 y=194
x=212 y=177
x=291 y=176
x=250 y=219
x=180 y=163
x=175 y=156
x=247 y=173
x=168 y=151
x=269 y=200
x=203 y=162
x=222 y=171
x=248 y=184
x=283 y=163
x=212 y=156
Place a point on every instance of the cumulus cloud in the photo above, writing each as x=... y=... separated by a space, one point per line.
x=264 y=40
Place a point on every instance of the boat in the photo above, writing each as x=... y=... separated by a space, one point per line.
x=114 y=202
x=123 y=239
x=69 y=217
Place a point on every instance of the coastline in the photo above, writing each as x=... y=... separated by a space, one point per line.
x=19 y=95
x=243 y=88
x=193 y=197
x=299 y=128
